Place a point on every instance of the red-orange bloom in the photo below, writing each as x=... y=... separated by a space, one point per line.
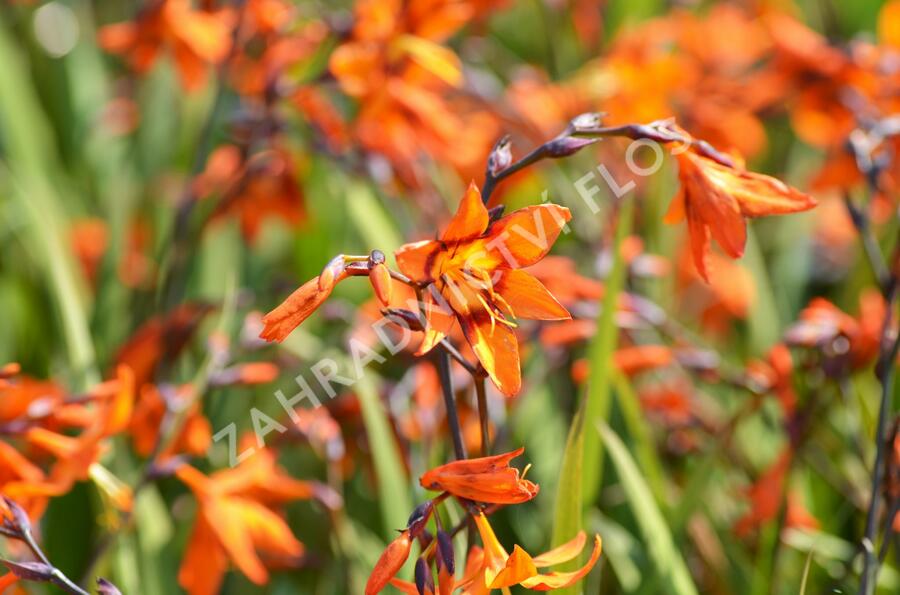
x=486 y=479
x=475 y=269
x=715 y=199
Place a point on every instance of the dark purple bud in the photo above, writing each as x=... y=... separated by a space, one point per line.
x=419 y=518
x=104 y=587
x=500 y=157
x=424 y=578
x=31 y=571
x=568 y=145
x=403 y=317
x=495 y=213
x=445 y=551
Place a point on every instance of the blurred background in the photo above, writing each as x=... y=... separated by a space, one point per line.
x=170 y=171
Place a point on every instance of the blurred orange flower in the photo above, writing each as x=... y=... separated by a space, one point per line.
x=196 y=38
x=236 y=521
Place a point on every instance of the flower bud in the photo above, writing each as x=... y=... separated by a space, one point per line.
x=419 y=518
x=389 y=564
x=445 y=551
x=380 y=278
x=403 y=317
x=568 y=145
x=424 y=579
x=500 y=157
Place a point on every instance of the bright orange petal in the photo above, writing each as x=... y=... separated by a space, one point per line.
x=563 y=553
x=560 y=580
x=528 y=297
x=496 y=347
x=523 y=237
x=471 y=217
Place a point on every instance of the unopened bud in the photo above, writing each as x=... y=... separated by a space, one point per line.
x=500 y=157
x=568 y=145
x=30 y=571
x=419 y=518
x=380 y=278
x=445 y=551
x=403 y=317
x=424 y=579
x=586 y=122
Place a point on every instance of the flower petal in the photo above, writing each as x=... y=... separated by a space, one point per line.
x=471 y=218
x=560 y=580
x=563 y=553
x=528 y=297
x=496 y=347
x=525 y=236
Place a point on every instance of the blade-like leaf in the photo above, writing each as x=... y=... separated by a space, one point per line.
x=670 y=566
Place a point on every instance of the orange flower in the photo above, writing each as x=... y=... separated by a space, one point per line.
x=475 y=270
x=767 y=496
x=486 y=479
x=236 y=521
x=253 y=188
x=823 y=325
x=196 y=38
x=499 y=569
x=160 y=337
x=715 y=199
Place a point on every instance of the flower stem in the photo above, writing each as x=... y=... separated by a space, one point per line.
x=443 y=365
x=483 y=417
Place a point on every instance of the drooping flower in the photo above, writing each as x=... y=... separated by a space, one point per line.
x=474 y=269
x=486 y=479
x=715 y=199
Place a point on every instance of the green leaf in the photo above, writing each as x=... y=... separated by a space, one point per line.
x=393 y=493
x=669 y=564
x=567 y=520
x=640 y=433
x=600 y=355
x=32 y=161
